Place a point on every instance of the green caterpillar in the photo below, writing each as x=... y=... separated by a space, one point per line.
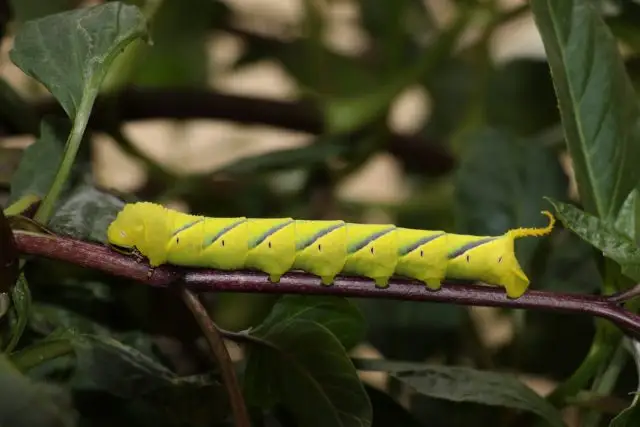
x=322 y=248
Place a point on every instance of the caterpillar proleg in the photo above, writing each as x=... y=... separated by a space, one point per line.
x=323 y=248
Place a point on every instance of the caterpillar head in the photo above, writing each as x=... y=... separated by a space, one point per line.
x=127 y=230
x=142 y=227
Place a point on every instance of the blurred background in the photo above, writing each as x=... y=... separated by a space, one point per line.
x=430 y=114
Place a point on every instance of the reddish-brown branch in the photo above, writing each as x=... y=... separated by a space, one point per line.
x=102 y=258
x=219 y=350
x=135 y=104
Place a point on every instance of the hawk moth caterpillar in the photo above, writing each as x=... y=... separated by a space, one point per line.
x=323 y=248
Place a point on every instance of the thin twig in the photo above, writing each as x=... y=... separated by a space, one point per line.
x=219 y=350
x=100 y=257
x=624 y=296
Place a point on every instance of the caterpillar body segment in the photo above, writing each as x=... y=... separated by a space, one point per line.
x=422 y=255
x=372 y=251
x=322 y=248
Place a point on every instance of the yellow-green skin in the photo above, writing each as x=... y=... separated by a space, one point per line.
x=322 y=248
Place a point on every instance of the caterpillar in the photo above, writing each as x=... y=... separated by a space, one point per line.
x=323 y=248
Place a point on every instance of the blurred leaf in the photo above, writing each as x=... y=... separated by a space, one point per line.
x=570 y=267
x=9 y=267
x=451 y=88
x=9 y=161
x=70 y=52
x=43 y=350
x=387 y=24
x=345 y=114
x=388 y=412
x=26 y=10
x=299 y=362
x=107 y=365
x=40 y=160
x=461 y=384
x=625 y=24
x=387 y=21
x=501 y=183
x=181 y=35
x=603 y=236
x=21 y=298
x=85 y=306
x=627 y=220
x=86 y=214
x=520 y=97
x=24 y=403
x=597 y=101
x=304 y=157
x=630 y=417
x=412 y=330
x=15 y=111
x=340 y=74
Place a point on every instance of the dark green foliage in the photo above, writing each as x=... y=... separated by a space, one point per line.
x=85 y=349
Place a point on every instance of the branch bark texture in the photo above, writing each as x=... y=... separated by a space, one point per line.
x=102 y=258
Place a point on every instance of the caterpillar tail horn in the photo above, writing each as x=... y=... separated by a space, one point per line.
x=531 y=232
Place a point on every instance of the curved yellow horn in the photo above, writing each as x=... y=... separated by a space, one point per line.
x=526 y=232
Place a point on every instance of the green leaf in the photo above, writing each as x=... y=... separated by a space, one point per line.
x=630 y=417
x=340 y=316
x=21 y=298
x=179 y=54
x=597 y=101
x=23 y=207
x=296 y=359
x=627 y=220
x=70 y=52
x=43 y=350
x=27 y=403
x=40 y=160
x=520 y=97
x=613 y=243
x=452 y=87
x=501 y=183
x=9 y=266
x=86 y=214
x=26 y=10
x=461 y=384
